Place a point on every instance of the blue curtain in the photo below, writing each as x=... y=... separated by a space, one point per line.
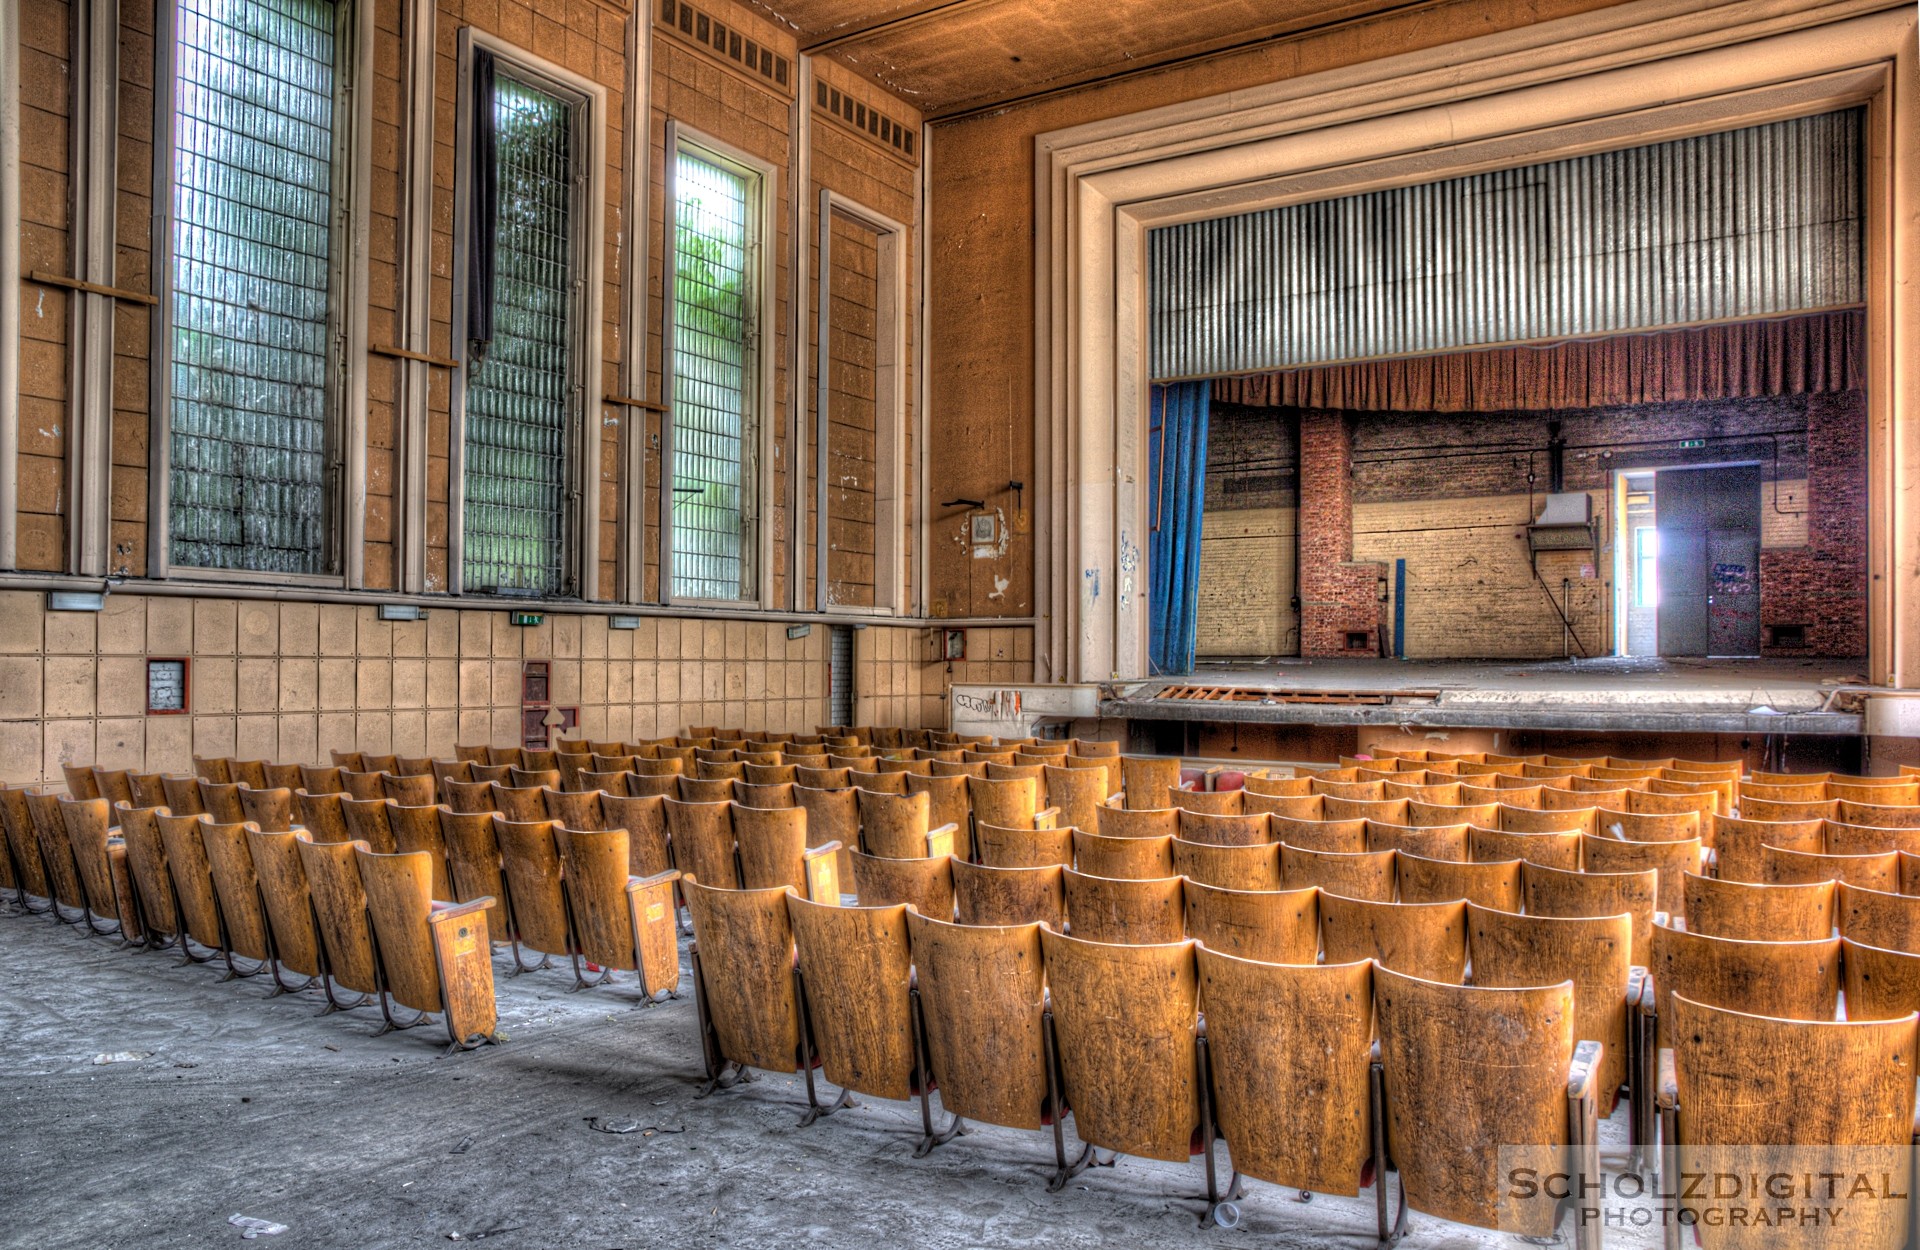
x=1177 y=485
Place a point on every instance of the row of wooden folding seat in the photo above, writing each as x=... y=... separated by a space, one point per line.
x=1021 y=1026
x=272 y=901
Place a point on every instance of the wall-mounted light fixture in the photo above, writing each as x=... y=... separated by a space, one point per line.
x=623 y=622
x=76 y=600
x=795 y=632
x=400 y=612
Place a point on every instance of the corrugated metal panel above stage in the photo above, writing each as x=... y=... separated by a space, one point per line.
x=1748 y=223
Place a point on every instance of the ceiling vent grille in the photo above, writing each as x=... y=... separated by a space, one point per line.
x=717 y=37
x=863 y=117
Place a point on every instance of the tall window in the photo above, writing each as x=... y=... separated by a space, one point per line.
x=520 y=381
x=714 y=421
x=251 y=310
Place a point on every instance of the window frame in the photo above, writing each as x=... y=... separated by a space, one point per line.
x=344 y=528
x=890 y=544
x=760 y=359
x=580 y=557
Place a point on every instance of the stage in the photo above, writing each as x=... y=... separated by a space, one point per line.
x=1629 y=695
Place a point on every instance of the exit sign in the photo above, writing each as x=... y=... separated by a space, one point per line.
x=1693 y=442
x=526 y=618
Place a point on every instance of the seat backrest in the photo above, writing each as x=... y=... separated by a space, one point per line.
x=1148 y=780
x=773 y=851
x=1077 y=794
x=1511 y=951
x=1433 y=842
x=1672 y=860
x=948 y=802
x=1370 y=791
x=146 y=865
x=332 y=873
x=745 y=942
x=271 y=809
x=183 y=795
x=322 y=815
x=701 y=837
x=1547 y=820
x=362 y=785
x=1834 y=1099
x=1347 y=837
x=1123 y=858
x=1255 y=829
x=87 y=824
x=1207 y=802
x=925 y=883
x=983 y=991
x=418 y=829
x=832 y=815
x=1550 y=891
x=1430 y=815
x=1554 y=850
x=1880 y=871
x=1878 y=815
x=230 y=860
x=645 y=820
x=574 y=809
x=1125 y=1018
x=1022 y=848
x=1135 y=913
x=1272 y=926
x=367 y=821
x=286 y=899
x=473 y=865
x=1246 y=867
x=984 y=895
x=1364 y=874
x=1278 y=787
x=894 y=826
x=1289 y=807
x=413 y=789
x=1013 y=803
x=1792 y=980
x=221 y=800
x=1386 y=811
x=1288 y=1050
x=1878 y=918
x=1877 y=792
x=190 y=876
x=521 y=803
x=1132 y=822
x=1739 y=844
x=1843 y=839
x=1465 y=1066
x=823 y=778
x=1769 y=810
x=1881 y=983
x=1427 y=940
x=1759 y=913
x=397 y=907
x=619 y=921
x=530 y=861
x=1490 y=883
x=1647 y=826
x=856 y=969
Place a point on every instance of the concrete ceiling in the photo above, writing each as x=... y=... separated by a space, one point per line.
x=957 y=56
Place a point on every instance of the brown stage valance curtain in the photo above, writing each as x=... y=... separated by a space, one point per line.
x=1789 y=356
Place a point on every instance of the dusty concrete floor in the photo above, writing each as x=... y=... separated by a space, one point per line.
x=255 y=1106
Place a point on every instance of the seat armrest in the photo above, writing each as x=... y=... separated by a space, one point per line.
x=1663 y=919
x=452 y=911
x=1046 y=818
x=636 y=884
x=821 y=864
x=1580 y=1073
x=1668 y=1082
x=940 y=841
x=1638 y=979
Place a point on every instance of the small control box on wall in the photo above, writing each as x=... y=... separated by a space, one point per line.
x=953 y=644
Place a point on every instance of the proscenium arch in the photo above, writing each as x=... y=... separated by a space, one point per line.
x=1636 y=74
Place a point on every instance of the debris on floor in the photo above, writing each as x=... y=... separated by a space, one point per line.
x=251 y=1227
x=123 y=1056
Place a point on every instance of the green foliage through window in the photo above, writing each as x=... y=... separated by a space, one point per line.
x=713 y=419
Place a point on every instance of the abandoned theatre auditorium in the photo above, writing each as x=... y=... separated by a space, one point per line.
x=960 y=623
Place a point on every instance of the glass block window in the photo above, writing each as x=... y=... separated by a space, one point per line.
x=714 y=429
x=520 y=394
x=250 y=316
